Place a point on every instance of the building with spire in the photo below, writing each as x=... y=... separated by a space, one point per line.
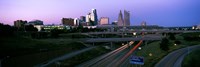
x=120 y=19
x=124 y=21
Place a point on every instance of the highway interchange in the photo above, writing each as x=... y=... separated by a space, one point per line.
x=121 y=56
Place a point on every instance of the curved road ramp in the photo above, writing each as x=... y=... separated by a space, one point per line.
x=175 y=58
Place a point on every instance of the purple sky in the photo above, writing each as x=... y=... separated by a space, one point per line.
x=154 y=12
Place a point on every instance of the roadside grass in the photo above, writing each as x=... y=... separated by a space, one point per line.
x=192 y=59
x=83 y=57
x=152 y=48
x=157 y=54
x=24 y=52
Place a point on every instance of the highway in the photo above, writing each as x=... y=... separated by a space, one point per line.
x=175 y=58
x=91 y=40
x=105 y=60
x=118 y=57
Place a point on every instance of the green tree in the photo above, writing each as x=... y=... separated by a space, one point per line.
x=172 y=36
x=6 y=30
x=30 y=28
x=177 y=42
x=55 y=33
x=164 y=45
x=80 y=28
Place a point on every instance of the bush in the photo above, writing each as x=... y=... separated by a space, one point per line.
x=172 y=36
x=164 y=45
x=177 y=42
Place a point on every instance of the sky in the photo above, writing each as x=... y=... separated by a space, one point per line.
x=154 y=12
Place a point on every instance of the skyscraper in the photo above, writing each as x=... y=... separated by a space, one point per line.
x=125 y=21
x=91 y=18
x=126 y=18
x=94 y=17
x=68 y=21
x=82 y=18
x=104 y=21
x=76 y=21
x=88 y=19
x=120 y=19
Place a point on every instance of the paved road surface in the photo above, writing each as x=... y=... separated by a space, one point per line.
x=107 y=59
x=175 y=58
x=113 y=59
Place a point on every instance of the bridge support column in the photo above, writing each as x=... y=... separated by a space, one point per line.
x=93 y=44
x=111 y=46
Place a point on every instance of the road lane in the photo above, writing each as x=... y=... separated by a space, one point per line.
x=96 y=60
x=173 y=58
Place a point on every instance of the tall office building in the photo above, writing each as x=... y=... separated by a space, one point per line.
x=76 y=22
x=126 y=18
x=19 y=23
x=87 y=19
x=83 y=18
x=124 y=21
x=104 y=21
x=68 y=21
x=120 y=19
x=92 y=18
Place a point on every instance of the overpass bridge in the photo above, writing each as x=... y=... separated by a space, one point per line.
x=139 y=31
x=96 y=40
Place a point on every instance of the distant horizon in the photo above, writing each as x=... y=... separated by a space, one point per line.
x=167 y=13
x=130 y=25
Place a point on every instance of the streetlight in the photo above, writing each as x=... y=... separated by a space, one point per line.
x=139 y=48
x=175 y=44
x=134 y=33
x=150 y=54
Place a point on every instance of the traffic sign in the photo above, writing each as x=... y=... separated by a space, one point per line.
x=137 y=60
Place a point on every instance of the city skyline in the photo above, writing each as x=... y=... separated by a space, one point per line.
x=154 y=12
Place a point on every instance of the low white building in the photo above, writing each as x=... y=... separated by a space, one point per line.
x=50 y=27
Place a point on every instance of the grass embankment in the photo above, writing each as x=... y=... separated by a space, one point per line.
x=155 y=51
x=25 y=52
x=192 y=59
x=190 y=39
x=83 y=57
x=157 y=54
